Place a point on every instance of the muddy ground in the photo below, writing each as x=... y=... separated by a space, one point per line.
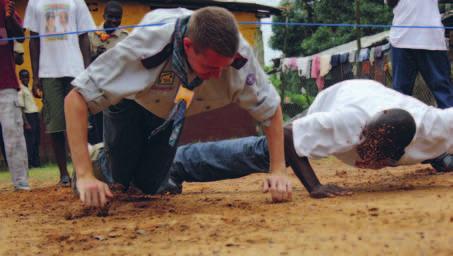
x=400 y=211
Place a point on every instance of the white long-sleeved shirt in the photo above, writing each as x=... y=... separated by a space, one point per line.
x=418 y=13
x=335 y=120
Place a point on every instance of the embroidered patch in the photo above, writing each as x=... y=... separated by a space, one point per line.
x=167 y=78
x=250 y=80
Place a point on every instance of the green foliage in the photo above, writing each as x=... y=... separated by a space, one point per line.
x=303 y=41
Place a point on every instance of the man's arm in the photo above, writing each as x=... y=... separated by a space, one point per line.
x=12 y=23
x=85 y=48
x=277 y=183
x=92 y=191
x=303 y=170
x=34 y=48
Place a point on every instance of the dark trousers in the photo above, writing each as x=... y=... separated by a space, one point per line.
x=130 y=156
x=32 y=138
x=95 y=133
x=434 y=67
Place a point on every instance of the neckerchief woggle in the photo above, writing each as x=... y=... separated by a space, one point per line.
x=185 y=91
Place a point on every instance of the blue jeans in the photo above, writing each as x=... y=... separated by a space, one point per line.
x=434 y=67
x=209 y=161
x=218 y=160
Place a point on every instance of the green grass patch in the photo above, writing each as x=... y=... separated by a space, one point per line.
x=45 y=173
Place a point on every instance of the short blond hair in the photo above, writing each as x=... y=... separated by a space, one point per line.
x=214 y=28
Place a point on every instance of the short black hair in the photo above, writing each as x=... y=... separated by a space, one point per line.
x=113 y=5
x=387 y=135
x=23 y=72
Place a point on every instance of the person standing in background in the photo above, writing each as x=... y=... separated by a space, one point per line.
x=421 y=50
x=55 y=61
x=31 y=119
x=107 y=36
x=10 y=114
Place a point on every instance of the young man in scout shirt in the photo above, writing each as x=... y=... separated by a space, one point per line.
x=200 y=54
x=100 y=42
x=360 y=122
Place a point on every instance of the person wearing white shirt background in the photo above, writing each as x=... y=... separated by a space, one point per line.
x=421 y=50
x=360 y=122
x=55 y=61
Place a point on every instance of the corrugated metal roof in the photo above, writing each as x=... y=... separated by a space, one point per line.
x=366 y=42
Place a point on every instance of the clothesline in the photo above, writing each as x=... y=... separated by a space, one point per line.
x=318 y=66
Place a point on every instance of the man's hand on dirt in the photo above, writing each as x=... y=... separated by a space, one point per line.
x=93 y=192
x=329 y=190
x=279 y=186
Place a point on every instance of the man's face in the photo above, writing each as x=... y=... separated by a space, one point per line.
x=207 y=64
x=112 y=17
x=371 y=154
x=25 y=78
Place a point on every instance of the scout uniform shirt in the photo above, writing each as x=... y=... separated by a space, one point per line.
x=119 y=73
x=102 y=39
x=336 y=118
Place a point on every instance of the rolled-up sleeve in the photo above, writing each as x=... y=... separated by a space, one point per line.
x=119 y=73
x=257 y=95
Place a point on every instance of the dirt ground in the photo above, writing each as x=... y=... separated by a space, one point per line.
x=400 y=211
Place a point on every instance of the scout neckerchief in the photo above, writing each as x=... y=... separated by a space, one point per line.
x=185 y=91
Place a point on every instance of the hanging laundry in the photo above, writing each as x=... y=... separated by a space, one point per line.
x=372 y=55
x=325 y=66
x=346 y=71
x=335 y=60
x=378 y=53
x=315 y=72
x=364 y=55
x=289 y=64
x=304 y=67
x=386 y=47
x=352 y=56
x=366 y=69
x=344 y=57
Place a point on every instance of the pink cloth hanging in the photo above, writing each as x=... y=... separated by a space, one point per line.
x=315 y=72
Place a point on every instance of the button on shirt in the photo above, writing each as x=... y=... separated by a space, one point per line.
x=119 y=73
x=335 y=120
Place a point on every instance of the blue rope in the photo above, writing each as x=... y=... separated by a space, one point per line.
x=302 y=24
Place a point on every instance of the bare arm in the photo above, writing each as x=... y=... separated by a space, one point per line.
x=35 y=47
x=303 y=170
x=92 y=191
x=85 y=48
x=13 y=26
x=278 y=183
